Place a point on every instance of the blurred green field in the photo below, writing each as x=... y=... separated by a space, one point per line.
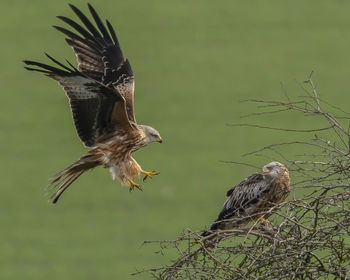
x=193 y=62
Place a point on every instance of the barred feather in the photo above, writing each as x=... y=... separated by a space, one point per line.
x=62 y=180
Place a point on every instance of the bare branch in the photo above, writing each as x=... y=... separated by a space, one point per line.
x=309 y=235
x=281 y=129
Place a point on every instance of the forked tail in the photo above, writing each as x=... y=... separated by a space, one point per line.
x=62 y=180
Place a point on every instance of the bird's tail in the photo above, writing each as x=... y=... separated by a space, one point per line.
x=62 y=180
x=213 y=228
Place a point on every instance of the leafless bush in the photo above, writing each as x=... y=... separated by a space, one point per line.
x=309 y=237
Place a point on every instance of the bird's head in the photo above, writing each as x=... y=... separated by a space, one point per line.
x=273 y=170
x=151 y=134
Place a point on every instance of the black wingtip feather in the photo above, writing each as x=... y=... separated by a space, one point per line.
x=38 y=70
x=47 y=69
x=111 y=30
x=77 y=27
x=72 y=6
x=68 y=33
x=58 y=63
x=100 y=24
x=86 y=21
x=71 y=65
x=91 y=42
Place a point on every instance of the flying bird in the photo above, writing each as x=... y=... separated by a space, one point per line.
x=101 y=96
x=252 y=198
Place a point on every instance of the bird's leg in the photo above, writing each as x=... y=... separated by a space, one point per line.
x=134 y=185
x=149 y=174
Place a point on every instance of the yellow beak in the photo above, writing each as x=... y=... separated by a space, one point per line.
x=266 y=171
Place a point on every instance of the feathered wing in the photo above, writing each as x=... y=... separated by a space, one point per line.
x=99 y=54
x=96 y=108
x=244 y=195
x=240 y=197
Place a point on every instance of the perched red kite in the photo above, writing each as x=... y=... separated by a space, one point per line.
x=101 y=96
x=252 y=198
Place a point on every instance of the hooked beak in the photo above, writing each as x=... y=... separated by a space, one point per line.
x=265 y=171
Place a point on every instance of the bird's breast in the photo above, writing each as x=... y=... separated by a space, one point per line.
x=121 y=145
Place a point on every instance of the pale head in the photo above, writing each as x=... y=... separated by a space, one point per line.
x=273 y=170
x=151 y=134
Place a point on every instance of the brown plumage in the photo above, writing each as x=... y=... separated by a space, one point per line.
x=101 y=96
x=252 y=198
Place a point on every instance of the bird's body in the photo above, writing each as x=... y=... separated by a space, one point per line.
x=116 y=155
x=101 y=96
x=253 y=198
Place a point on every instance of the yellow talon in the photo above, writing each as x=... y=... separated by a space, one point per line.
x=149 y=174
x=134 y=185
x=264 y=221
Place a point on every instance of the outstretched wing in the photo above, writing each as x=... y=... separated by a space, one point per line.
x=244 y=195
x=96 y=108
x=99 y=54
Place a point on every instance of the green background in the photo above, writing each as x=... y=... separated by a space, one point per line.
x=193 y=61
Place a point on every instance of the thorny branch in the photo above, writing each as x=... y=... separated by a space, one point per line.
x=310 y=234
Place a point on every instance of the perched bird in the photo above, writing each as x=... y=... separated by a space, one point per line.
x=252 y=198
x=101 y=96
